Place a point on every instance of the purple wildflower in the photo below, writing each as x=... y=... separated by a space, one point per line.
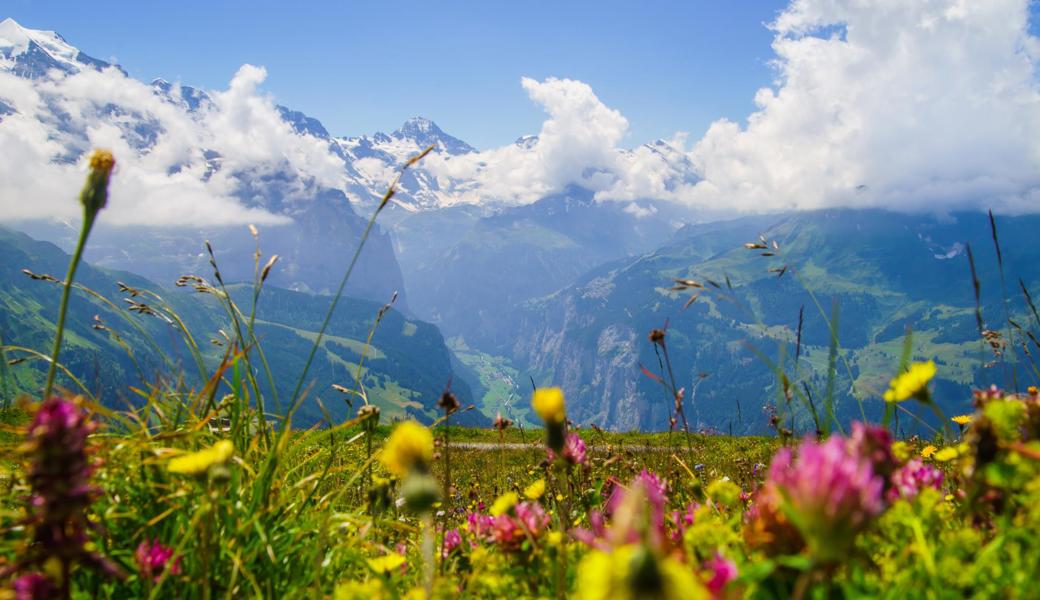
x=480 y=525
x=452 y=540
x=913 y=477
x=34 y=586
x=874 y=444
x=637 y=514
x=58 y=470
x=831 y=492
x=153 y=558
x=574 y=450
x=510 y=531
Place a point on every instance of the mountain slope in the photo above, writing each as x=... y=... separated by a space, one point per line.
x=405 y=372
x=885 y=271
x=467 y=270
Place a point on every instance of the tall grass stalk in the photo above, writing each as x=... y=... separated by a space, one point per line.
x=93 y=198
x=391 y=190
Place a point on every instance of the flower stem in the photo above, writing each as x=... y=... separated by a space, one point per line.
x=84 y=232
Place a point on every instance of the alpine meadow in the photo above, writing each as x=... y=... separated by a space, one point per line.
x=787 y=348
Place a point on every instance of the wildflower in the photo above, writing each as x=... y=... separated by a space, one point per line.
x=501 y=423
x=479 y=525
x=152 y=559
x=448 y=402
x=410 y=447
x=197 y=463
x=630 y=573
x=928 y=451
x=722 y=572
x=58 y=471
x=574 y=450
x=535 y=491
x=962 y=420
x=504 y=503
x=912 y=384
x=386 y=563
x=532 y=516
x=548 y=403
x=913 y=477
x=33 y=586
x=638 y=513
x=724 y=491
x=874 y=444
x=949 y=453
x=94 y=196
x=452 y=540
x=830 y=492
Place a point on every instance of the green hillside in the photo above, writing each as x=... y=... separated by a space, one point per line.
x=115 y=339
x=882 y=271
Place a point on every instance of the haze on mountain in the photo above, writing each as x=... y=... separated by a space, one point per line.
x=534 y=251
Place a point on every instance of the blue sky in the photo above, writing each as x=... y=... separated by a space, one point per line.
x=366 y=66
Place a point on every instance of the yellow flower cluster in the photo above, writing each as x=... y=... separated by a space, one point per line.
x=536 y=490
x=197 y=463
x=911 y=383
x=386 y=563
x=549 y=404
x=503 y=504
x=409 y=445
x=608 y=576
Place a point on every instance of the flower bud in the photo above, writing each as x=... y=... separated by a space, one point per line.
x=420 y=491
x=95 y=192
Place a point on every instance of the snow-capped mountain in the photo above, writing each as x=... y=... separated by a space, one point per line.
x=198 y=164
x=32 y=53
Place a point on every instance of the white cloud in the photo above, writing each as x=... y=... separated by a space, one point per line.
x=924 y=105
x=577 y=144
x=918 y=106
x=162 y=181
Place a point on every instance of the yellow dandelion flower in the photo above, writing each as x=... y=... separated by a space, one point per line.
x=911 y=383
x=928 y=451
x=386 y=563
x=608 y=576
x=197 y=463
x=902 y=451
x=549 y=404
x=947 y=454
x=535 y=491
x=962 y=419
x=504 y=503
x=555 y=538
x=409 y=445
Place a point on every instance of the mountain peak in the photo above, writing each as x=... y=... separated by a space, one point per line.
x=36 y=51
x=420 y=125
x=425 y=132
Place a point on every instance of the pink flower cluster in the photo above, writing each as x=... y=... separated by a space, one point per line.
x=153 y=559
x=830 y=489
x=527 y=520
x=574 y=451
x=452 y=540
x=913 y=477
x=722 y=571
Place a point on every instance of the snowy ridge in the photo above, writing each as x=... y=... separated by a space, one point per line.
x=455 y=173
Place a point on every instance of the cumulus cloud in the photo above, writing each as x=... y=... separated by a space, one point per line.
x=918 y=106
x=175 y=167
x=925 y=105
x=577 y=144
